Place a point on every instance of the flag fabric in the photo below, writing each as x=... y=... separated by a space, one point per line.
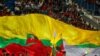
x=45 y=28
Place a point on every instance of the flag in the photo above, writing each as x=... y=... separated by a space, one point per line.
x=46 y=28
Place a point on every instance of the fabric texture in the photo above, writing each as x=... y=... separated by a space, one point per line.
x=45 y=27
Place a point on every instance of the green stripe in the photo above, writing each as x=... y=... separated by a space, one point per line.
x=48 y=43
x=87 y=45
x=59 y=42
x=5 y=42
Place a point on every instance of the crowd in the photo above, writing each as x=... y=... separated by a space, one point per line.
x=59 y=9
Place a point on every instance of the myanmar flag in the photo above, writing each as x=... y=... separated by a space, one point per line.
x=14 y=29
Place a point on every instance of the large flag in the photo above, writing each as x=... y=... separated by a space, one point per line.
x=45 y=28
